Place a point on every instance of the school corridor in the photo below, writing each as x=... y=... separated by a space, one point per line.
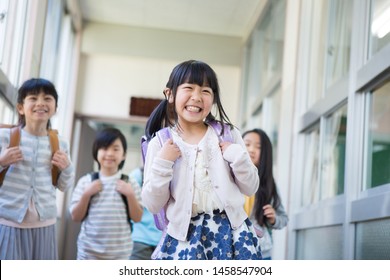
x=314 y=74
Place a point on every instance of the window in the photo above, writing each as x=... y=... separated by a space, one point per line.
x=14 y=40
x=51 y=39
x=270 y=47
x=327 y=34
x=378 y=137
x=372 y=240
x=271 y=108
x=310 y=177
x=380 y=25
x=263 y=61
x=339 y=41
x=330 y=43
x=6 y=111
x=3 y=27
x=333 y=154
x=324 y=159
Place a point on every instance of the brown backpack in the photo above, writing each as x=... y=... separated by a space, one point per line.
x=15 y=140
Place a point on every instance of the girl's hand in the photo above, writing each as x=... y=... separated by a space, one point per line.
x=169 y=151
x=10 y=156
x=269 y=213
x=224 y=146
x=94 y=188
x=60 y=159
x=124 y=188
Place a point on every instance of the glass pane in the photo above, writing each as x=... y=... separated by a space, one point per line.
x=380 y=25
x=317 y=46
x=310 y=193
x=252 y=86
x=7 y=114
x=325 y=243
x=13 y=60
x=329 y=46
x=271 y=36
x=379 y=138
x=373 y=240
x=256 y=120
x=3 y=26
x=333 y=156
x=339 y=40
x=51 y=39
x=244 y=97
x=274 y=120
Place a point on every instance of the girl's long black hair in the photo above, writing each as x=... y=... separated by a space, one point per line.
x=193 y=72
x=267 y=192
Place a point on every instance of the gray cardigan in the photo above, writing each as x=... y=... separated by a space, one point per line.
x=266 y=242
x=31 y=178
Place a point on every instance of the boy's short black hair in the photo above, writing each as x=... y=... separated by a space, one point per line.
x=105 y=138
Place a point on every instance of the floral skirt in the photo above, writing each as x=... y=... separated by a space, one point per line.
x=210 y=237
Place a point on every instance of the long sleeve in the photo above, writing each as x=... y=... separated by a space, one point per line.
x=157 y=176
x=245 y=172
x=66 y=179
x=281 y=219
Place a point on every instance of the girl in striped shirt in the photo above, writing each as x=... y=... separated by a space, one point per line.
x=28 y=210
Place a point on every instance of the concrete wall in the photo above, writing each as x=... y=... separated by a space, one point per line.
x=119 y=62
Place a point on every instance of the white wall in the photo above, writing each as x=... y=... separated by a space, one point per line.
x=119 y=62
x=107 y=82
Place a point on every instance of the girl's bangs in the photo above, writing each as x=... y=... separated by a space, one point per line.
x=45 y=90
x=200 y=75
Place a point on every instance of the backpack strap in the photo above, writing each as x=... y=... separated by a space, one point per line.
x=14 y=137
x=163 y=135
x=94 y=176
x=13 y=142
x=144 y=147
x=55 y=146
x=125 y=178
x=227 y=133
x=160 y=218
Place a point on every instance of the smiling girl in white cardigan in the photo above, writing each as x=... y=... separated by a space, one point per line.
x=199 y=179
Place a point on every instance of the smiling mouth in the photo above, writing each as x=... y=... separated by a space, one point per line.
x=193 y=109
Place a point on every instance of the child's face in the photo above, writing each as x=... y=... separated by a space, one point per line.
x=110 y=157
x=37 y=108
x=253 y=145
x=193 y=102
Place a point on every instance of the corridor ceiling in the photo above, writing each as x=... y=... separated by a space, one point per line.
x=220 y=17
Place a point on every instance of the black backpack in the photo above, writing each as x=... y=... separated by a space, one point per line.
x=124 y=177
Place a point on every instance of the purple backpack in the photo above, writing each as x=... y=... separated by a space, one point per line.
x=163 y=135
